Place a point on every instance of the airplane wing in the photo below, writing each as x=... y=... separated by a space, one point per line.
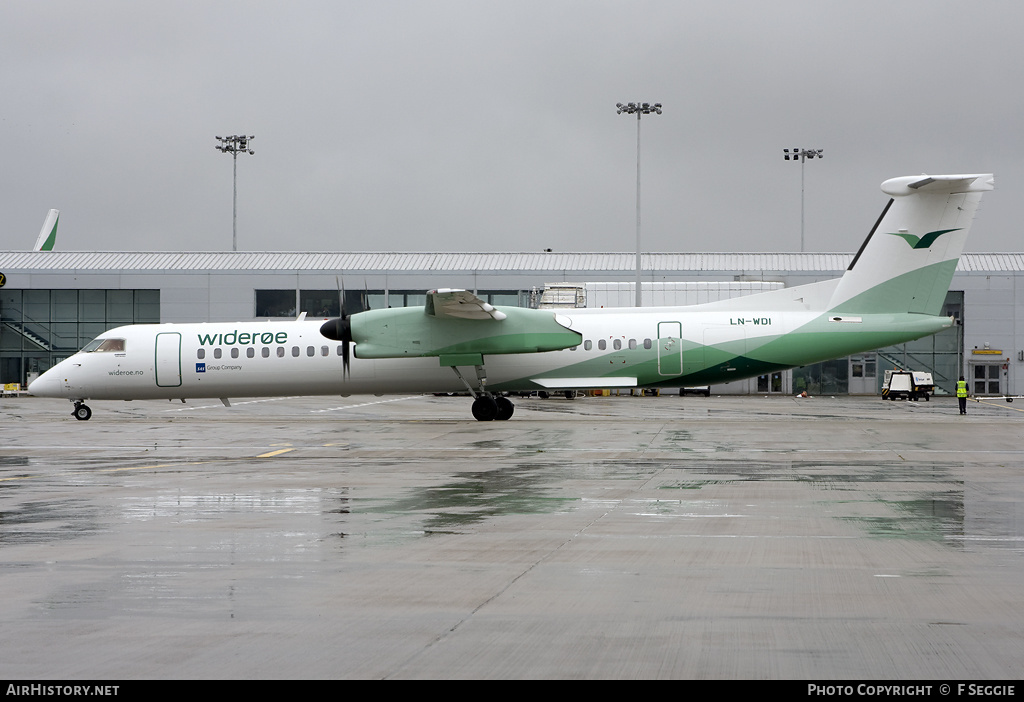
x=457 y=326
x=460 y=304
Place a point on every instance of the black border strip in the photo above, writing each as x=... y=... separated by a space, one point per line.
x=870 y=234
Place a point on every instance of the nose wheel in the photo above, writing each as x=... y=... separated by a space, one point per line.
x=81 y=412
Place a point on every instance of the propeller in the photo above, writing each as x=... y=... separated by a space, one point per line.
x=340 y=329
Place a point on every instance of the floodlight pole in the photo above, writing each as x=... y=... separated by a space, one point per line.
x=234 y=145
x=803 y=154
x=640 y=108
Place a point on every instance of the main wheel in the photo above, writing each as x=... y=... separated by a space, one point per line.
x=505 y=408
x=485 y=409
x=82 y=412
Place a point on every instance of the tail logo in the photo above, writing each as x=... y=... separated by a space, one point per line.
x=924 y=242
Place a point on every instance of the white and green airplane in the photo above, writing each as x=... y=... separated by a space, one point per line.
x=892 y=292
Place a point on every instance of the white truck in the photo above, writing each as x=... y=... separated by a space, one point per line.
x=907 y=385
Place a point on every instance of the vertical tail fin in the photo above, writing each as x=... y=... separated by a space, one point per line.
x=908 y=260
x=48 y=234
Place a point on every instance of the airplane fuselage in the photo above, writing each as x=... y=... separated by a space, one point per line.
x=670 y=346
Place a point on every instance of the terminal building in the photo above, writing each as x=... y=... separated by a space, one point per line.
x=53 y=303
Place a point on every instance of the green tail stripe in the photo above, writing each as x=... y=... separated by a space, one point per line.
x=51 y=238
x=922 y=291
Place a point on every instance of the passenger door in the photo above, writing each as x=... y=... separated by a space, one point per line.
x=670 y=348
x=168 y=360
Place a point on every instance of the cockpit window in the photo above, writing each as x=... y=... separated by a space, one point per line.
x=104 y=345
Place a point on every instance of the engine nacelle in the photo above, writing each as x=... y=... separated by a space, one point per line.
x=410 y=332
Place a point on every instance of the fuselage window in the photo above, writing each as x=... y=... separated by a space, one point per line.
x=617 y=344
x=325 y=350
x=250 y=352
x=632 y=344
x=266 y=352
x=201 y=354
x=234 y=353
x=587 y=345
x=647 y=343
x=280 y=351
x=216 y=353
x=295 y=351
x=310 y=351
x=601 y=344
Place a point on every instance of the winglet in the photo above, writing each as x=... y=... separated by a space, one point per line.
x=48 y=234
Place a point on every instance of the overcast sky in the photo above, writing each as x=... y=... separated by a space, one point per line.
x=491 y=126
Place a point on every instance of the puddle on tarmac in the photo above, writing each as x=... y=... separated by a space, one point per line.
x=940 y=518
x=474 y=497
x=48 y=520
x=691 y=484
x=898 y=499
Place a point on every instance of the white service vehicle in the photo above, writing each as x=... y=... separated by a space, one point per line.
x=908 y=385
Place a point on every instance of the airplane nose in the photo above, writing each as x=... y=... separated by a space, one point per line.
x=46 y=385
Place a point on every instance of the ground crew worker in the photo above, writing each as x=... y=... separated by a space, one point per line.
x=961 y=394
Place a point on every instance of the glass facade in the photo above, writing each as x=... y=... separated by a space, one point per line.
x=319 y=303
x=275 y=303
x=325 y=303
x=825 y=378
x=38 y=328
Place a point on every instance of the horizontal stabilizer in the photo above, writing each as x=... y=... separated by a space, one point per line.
x=908 y=185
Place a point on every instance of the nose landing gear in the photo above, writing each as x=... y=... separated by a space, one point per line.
x=81 y=411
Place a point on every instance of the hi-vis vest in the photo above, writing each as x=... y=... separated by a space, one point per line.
x=961 y=388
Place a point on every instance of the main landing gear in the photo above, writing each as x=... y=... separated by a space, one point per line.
x=486 y=405
x=81 y=411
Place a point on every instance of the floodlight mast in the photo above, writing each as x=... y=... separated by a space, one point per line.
x=234 y=145
x=802 y=154
x=639 y=109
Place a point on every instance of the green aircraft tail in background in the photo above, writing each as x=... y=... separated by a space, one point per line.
x=48 y=234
